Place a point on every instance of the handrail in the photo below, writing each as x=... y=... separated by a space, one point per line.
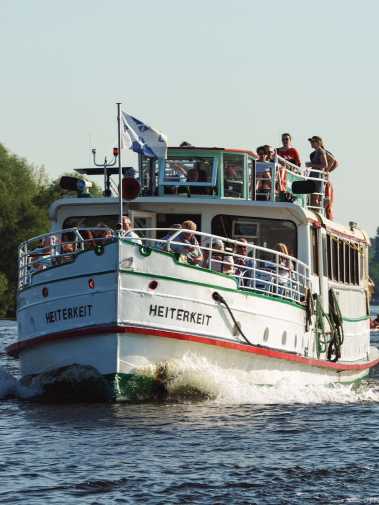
x=261 y=269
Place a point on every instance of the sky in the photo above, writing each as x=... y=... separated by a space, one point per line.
x=212 y=72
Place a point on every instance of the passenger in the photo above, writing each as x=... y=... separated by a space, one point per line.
x=165 y=245
x=318 y=162
x=285 y=263
x=126 y=226
x=262 y=174
x=215 y=258
x=284 y=270
x=68 y=247
x=43 y=256
x=241 y=259
x=187 y=245
x=287 y=151
x=102 y=236
x=270 y=151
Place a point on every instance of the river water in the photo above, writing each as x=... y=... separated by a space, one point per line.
x=243 y=445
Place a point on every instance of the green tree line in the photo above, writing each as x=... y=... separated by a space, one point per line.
x=25 y=195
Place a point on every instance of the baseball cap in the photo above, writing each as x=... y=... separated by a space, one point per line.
x=315 y=137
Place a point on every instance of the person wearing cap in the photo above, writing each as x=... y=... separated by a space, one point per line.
x=319 y=163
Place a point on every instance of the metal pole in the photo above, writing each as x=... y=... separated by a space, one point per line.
x=119 y=160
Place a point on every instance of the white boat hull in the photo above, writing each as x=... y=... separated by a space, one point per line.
x=128 y=313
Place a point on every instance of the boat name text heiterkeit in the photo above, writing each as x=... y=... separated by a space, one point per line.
x=75 y=312
x=180 y=314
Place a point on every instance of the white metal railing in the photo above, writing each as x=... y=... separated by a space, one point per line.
x=258 y=268
x=57 y=248
x=255 y=268
x=270 y=175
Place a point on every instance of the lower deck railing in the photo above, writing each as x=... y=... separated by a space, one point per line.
x=254 y=268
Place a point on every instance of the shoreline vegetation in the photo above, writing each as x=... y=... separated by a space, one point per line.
x=26 y=192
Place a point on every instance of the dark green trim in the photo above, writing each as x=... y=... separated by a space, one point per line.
x=355 y=319
x=213 y=286
x=51 y=281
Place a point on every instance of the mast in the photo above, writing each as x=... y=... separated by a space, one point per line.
x=119 y=161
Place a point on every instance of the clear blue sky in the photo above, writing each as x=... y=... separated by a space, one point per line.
x=211 y=72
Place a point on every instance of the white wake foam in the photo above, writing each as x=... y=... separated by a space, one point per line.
x=10 y=387
x=192 y=374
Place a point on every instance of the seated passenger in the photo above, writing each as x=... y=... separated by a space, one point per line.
x=126 y=227
x=165 y=245
x=215 y=258
x=102 y=236
x=187 y=245
x=241 y=259
x=233 y=177
x=284 y=269
x=43 y=256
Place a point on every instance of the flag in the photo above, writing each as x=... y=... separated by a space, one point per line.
x=142 y=138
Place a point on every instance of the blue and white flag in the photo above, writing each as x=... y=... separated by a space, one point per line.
x=142 y=138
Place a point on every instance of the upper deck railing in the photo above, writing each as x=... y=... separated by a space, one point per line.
x=254 y=268
x=224 y=174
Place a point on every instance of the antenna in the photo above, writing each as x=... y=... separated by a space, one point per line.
x=105 y=165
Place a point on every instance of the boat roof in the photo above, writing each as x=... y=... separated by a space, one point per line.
x=216 y=148
x=300 y=214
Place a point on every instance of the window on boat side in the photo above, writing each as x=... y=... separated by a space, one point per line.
x=148 y=175
x=344 y=260
x=335 y=275
x=168 y=220
x=234 y=175
x=314 y=245
x=258 y=231
x=189 y=175
x=91 y=221
x=347 y=266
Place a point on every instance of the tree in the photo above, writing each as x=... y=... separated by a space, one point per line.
x=25 y=196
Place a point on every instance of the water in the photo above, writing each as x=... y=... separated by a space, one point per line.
x=246 y=445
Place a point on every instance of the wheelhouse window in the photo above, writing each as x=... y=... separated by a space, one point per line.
x=234 y=176
x=148 y=175
x=258 y=231
x=181 y=172
x=168 y=220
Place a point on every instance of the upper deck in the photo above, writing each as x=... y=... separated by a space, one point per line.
x=220 y=173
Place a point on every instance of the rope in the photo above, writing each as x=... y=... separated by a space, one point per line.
x=220 y=299
x=332 y=345
x=336 y=335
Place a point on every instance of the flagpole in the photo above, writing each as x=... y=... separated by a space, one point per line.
x=119 y=160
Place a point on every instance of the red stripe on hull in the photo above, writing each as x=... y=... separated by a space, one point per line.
x=15 y=349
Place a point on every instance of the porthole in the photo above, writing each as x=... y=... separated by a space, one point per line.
x=266 y=334
x=284 y=337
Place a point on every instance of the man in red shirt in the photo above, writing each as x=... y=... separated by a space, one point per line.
x=287 y=151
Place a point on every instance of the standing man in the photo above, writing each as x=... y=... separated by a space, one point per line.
x=287 y=151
